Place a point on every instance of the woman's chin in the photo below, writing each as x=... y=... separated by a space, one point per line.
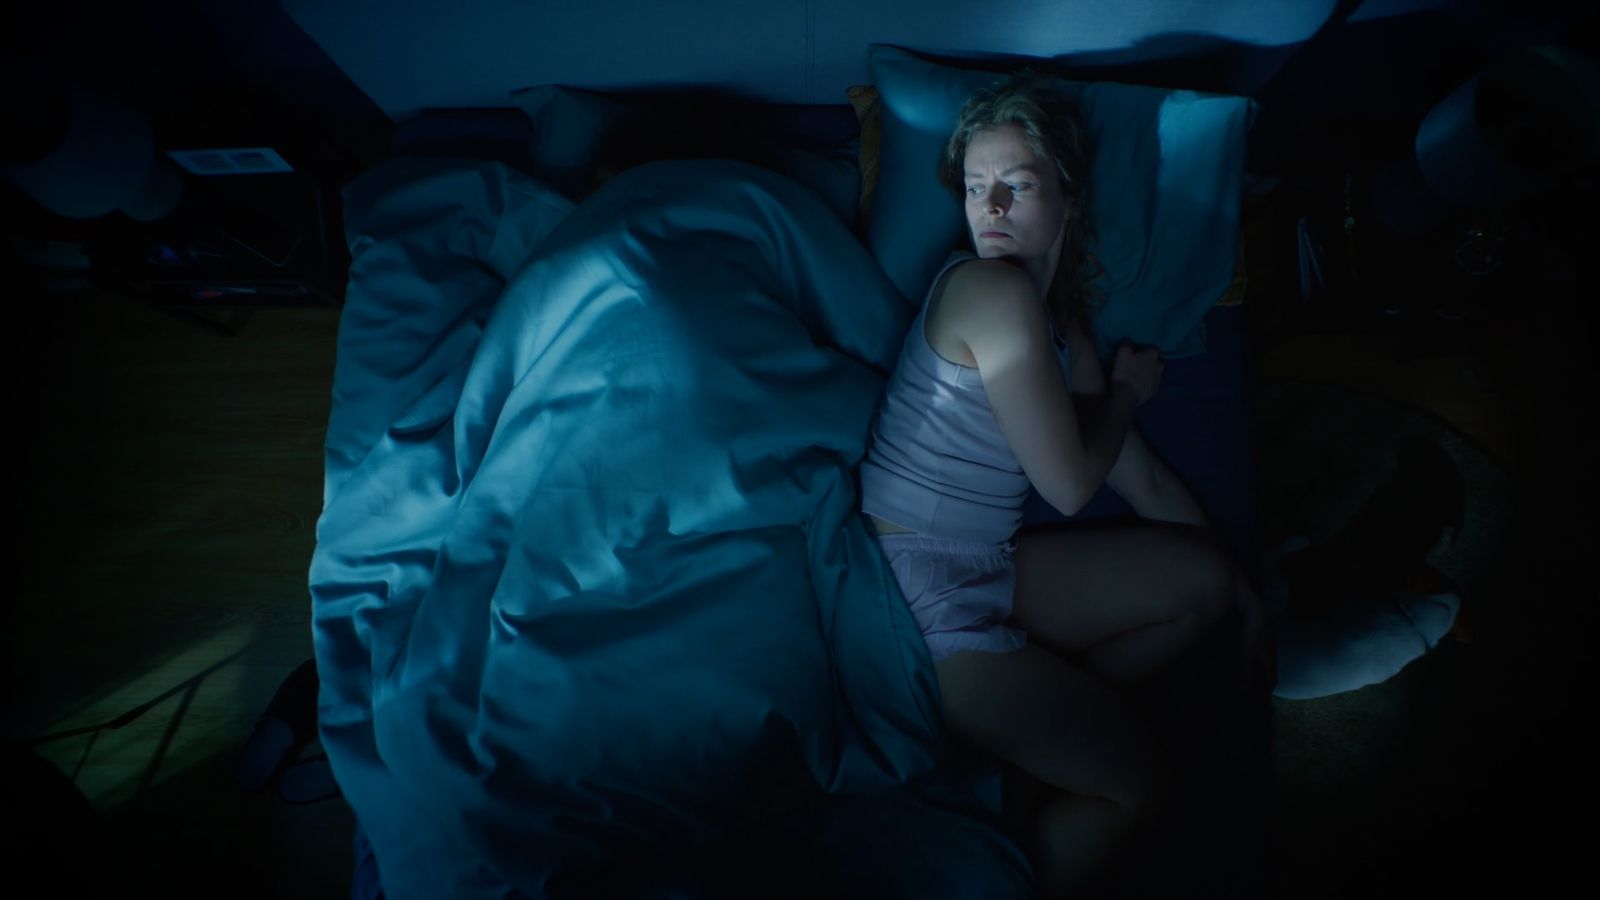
x=996 y=250
x=994 y=247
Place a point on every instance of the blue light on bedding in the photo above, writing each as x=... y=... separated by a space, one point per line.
x=590 y=583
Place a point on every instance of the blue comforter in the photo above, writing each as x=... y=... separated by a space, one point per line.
x=590 y=592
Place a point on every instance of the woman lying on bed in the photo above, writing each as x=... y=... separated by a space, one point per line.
x=1036 y=635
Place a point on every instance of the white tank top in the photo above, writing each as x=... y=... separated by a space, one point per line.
x=937 y=462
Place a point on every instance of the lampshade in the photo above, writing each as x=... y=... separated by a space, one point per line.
x=1519 y=126
x=100 y=160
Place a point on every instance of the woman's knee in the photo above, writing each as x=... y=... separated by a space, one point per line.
x=1217 y=580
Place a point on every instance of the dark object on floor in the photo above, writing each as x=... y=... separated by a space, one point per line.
x=255 y=242
x=1388 y=540
x=288 y=726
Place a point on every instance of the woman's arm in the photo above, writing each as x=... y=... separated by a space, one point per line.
x=993 y=309
x=1139 y=475
x=1151 y=487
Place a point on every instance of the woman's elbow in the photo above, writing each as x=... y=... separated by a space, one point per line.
x=1135 y=481
x=1069 y=500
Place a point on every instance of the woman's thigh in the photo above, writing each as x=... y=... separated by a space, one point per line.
x=1051 y=719
x=1078 y=586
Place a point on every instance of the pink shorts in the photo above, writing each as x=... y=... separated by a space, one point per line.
x=959 y=591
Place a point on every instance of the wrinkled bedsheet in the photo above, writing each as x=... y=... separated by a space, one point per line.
x=591 y=591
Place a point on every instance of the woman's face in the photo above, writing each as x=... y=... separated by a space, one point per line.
x=1014 y=202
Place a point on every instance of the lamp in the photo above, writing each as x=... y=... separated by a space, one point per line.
x=1527 y=121
x=83 y=154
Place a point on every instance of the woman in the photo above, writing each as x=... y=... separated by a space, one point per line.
x=1036 y=634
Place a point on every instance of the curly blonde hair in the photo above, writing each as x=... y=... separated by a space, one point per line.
x=1054 y=129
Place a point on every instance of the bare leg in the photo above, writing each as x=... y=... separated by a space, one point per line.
x=1069 y=730
x=1131 y=658
x=1072 y=838
x=1123 y=602
x=1075 y=838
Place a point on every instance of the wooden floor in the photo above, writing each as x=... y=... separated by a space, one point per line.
x=1475 y=376
x=172 y=481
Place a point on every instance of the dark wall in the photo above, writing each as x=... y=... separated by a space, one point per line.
x=206 y=71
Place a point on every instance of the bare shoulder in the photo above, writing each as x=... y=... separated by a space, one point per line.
x=986 y=300
x=980 y=280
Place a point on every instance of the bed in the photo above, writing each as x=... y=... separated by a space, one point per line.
x=596 y=614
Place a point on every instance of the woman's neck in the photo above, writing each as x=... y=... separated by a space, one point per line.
x=1040 y=270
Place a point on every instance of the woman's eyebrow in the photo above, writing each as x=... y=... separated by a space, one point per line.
x=1027 y=167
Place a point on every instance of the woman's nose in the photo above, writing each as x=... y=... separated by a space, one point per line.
x=996 y=203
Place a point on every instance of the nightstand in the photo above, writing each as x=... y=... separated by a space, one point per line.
x=235 y=244
x=1455 y=321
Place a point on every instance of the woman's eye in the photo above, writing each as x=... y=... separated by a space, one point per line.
x=974 y=190
x=1019 y=187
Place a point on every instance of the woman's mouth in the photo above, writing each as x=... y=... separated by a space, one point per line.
x=994 y=234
